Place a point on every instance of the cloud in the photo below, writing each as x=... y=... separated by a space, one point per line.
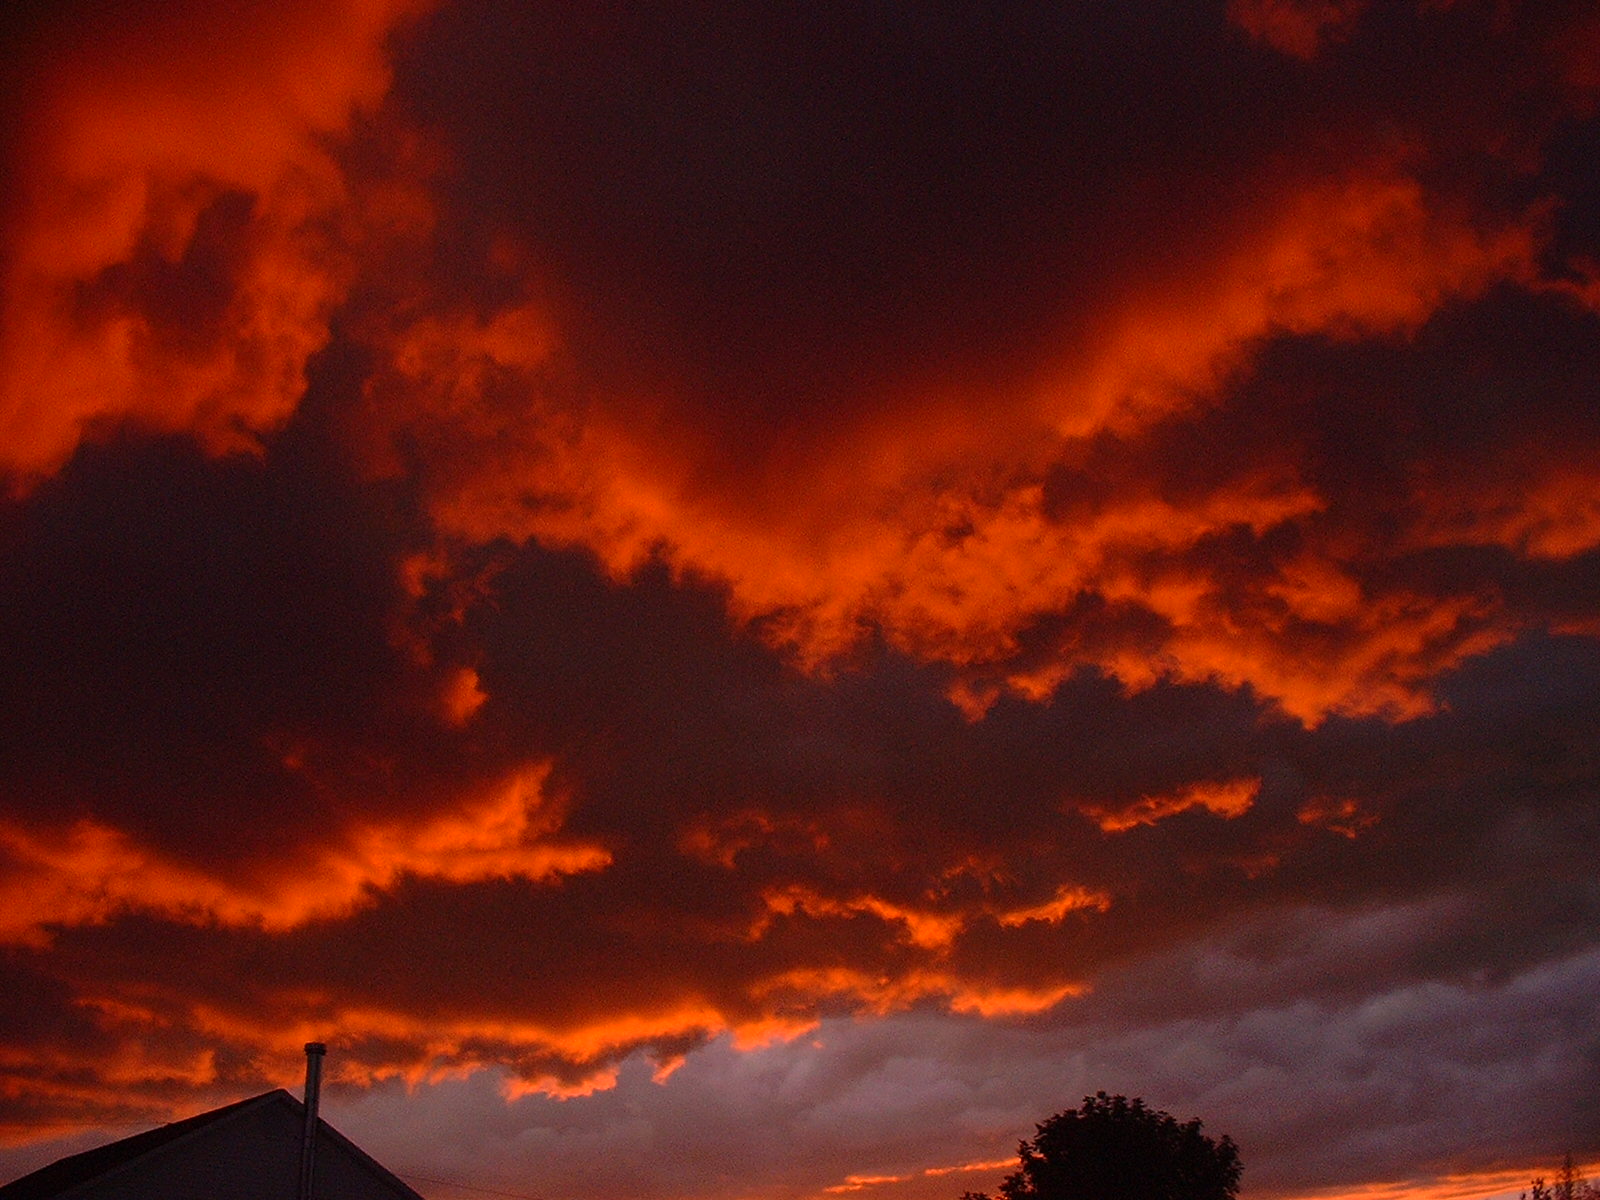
x=1230 y=798
x=1408 y=1082
x=90 y=873
x=812 y=603
x=179 y=235
x=590 y=411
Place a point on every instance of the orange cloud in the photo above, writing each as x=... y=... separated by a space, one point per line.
x=1542 y=511
x=855 y=1183
x=885 y=994
x=1054 y=910
x=1380 y=662
x=189 y=232
x=926 y=928
x=938 y=532
x=176 y=249
x=58 y=1085
x=1228 y=799
x=860 y=1182
x=90 y=872
x=462 y=696
x=562 y=1059
x=1343 y=816
x=922 y=928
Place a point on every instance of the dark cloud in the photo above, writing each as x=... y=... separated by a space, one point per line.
x=178 y=627
x=753 y=600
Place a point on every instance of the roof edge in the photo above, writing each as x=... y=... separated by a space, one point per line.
x=67 y=1176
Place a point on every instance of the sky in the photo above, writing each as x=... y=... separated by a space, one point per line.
x=741 y=601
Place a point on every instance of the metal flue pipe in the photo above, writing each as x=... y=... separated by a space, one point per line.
x=308 y=1147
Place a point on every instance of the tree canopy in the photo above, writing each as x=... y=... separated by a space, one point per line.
x=1113 y=1148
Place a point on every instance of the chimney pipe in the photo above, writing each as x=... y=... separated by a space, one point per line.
x=308 y=1147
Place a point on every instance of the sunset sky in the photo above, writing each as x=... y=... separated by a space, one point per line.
x=740 y=601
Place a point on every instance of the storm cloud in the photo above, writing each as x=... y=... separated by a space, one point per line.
x=738 y=600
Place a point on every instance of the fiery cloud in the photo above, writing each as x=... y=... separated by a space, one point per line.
x=91 y=873
x=1228 y=799
x=180 y=234
x=898 y=530
x=657 y=578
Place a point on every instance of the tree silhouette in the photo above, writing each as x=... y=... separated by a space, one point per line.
x=1113 y=1148
x=1569 y=1185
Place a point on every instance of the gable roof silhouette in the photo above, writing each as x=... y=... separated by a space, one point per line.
x=213 y=1139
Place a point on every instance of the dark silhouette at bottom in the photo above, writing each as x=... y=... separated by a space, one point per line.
x=1113 y=1148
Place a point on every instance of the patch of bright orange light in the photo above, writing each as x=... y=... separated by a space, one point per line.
x=991 y=1164
x=89 y=872
x=761 y=1032
x=855 y=1183
x=1342 y=815
x=1010 y=1001
x=861 y=1182
x=1227 y=799
x=600 y=1080
x=1053 y=911
x=883 y=994
x=1317 y=590
x=1466 y=1186
x=462 y=696
x=929 y=930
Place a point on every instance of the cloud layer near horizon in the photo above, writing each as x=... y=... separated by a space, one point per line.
x=544 y=546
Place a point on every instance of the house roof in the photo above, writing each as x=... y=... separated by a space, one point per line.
x=68 y=1172
x=61 y=1176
